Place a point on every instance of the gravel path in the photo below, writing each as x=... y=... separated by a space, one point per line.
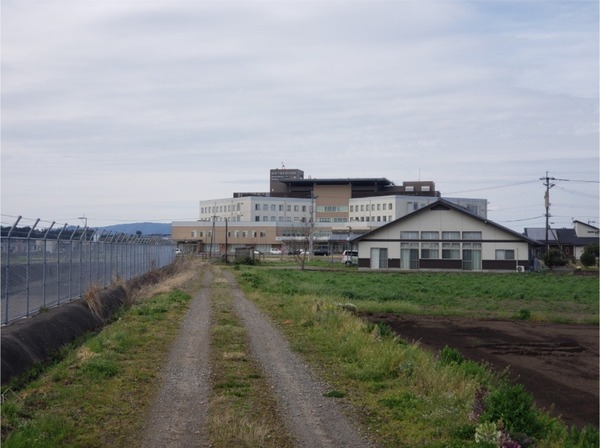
x=179 y=413
x=314 y=420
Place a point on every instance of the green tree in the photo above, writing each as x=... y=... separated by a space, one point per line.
x=554 y=258
x=590 y=254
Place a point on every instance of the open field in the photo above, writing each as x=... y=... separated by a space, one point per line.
x=100 y=392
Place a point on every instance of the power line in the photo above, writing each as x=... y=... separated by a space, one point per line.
x=493 y=188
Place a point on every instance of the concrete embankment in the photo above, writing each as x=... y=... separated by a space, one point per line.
x=35 y=340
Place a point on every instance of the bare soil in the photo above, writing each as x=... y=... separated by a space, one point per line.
x=557 y=363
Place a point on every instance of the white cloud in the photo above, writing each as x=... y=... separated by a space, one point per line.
x=180 y=99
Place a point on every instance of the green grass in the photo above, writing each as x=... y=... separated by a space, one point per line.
x=97 y=393
x=540 y=297
x=408 y=396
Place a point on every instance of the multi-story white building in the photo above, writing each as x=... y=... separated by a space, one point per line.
x=256 y=209
x=332 y=210
x=377 y=210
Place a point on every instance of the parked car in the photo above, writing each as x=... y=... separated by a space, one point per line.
x=275 y=252
x=177 y=251
x=321 y=252
x=350 y=257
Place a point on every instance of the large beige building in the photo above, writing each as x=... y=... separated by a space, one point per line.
x=325 y=211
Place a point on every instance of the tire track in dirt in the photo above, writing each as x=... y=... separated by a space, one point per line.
x=178 y=414
x=314 y=420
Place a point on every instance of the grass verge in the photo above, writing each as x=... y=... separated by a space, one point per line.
x=408 y=397
x=100 y=389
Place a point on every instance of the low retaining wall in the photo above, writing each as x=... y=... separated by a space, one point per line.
x=31 y=341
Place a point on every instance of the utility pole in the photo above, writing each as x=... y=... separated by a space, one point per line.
x=548 y=184
x=312 y=225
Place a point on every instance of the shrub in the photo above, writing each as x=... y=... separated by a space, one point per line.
x=450 y=355
x=590 y=253
x=513 y=406
x=554 y=258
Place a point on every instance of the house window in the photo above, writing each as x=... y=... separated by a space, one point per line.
x=505 y=254
x=451 y=235
x=451 y=251
x=256 y=206
x=471 y=235
x=257 y=218
x=429 y=250
x=430 y=235
x=409 y=235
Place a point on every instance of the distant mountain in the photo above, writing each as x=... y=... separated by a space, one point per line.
x=147 y=228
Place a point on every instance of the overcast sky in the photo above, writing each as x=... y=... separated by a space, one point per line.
x=135 y=110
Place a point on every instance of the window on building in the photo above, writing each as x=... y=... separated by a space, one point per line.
x=425 y=188
x=362 y=208
x=244 y=234
x=201 y=234
x=451 y=235
x=265 y=219
x=429 y=250
x=193 y=234
x=351 y=208
x=273 y=208
x=236 y=233
x=505 y=254
x=430 y=235
x=409 y=235
x=304 y=208
x=281 y=218
x=253 y=234
x=280 y=207
x=410 y=188
x=471 y=235
x=289 y=208
x=265 y=207
x=257 y=218
x=390 y=206
x=273 y=218
x=384 y=218
x=257 y=207
x=378 y=207
x=451 y=251
x=385 y=206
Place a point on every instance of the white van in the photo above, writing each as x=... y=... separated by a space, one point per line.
x=350 y=257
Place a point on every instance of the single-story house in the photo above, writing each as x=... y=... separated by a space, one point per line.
x=571 y=242
x=444 y=236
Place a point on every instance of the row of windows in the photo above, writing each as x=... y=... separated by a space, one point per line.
x=370 y=207
x=220 y=208
x=372 y=218
x=451 y=251
x=281 y=207
x=234 y=234
x=280 y=218
x=453 y=235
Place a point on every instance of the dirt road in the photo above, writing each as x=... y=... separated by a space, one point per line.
x=557 y=363
x=179 y=413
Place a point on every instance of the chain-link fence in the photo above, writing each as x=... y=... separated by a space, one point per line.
x=45 y=268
